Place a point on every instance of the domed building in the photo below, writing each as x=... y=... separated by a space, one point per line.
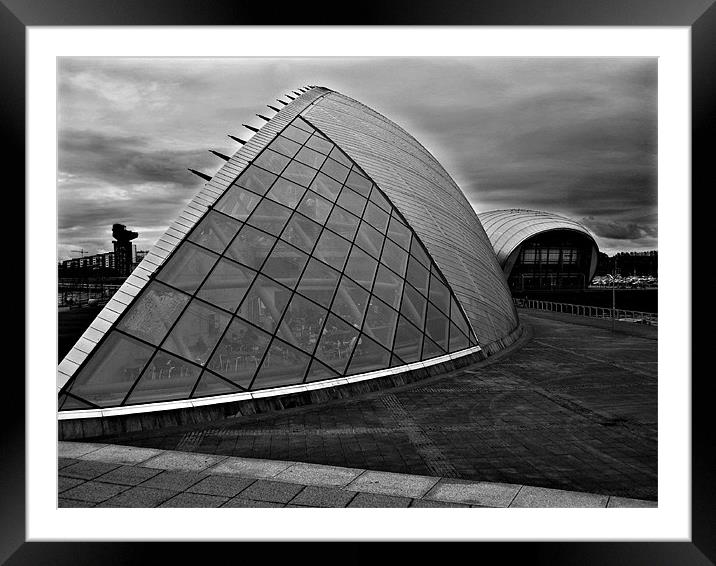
x=541 y=250
x=330 y=249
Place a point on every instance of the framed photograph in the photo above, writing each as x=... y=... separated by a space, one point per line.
x=553 y=140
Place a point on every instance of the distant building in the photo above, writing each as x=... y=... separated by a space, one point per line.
x=541 y=250
x=118 y=263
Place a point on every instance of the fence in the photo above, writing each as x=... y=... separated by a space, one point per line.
x=591 y=311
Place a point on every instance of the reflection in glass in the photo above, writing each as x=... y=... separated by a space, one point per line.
x=270 y=217
x=439 y=294
x=295 y=134
x=336 y=344
x=408 y=341
x=350 y=302
x=285 y=264
x=369 y=239
x=251 y=247
x=153 y=314
x=377 y=197
x=343 y=223
x=215 y=231
x=458 y=317
x=226 y=285
x=108 y=375
x=239 y=353
x=399 y=233
x=380 y=321
x=417 y=276
x=394 y=257
x=272 y=161
x=368 y=356
x=340 y=157
x=256 y=180
x=318 y=372
x=320 y=144
x=437 y=326
x=351 y=201
x=413 y=307
x=315 y=207
x=299 y=173
x=302 y=323
x=311 y=157
x=376 y=217
x=196 y=332
x=332 y=249
x=326 y=187
x=264 y=304
x=282 y=365
x=361 y=267
x=431 y=349
x=388 y=286
x=286 y=193
x=210 y=384
x=318 y=282
x=301 y=232
x=458 y=341
x=358 y=183
x=166 y=378
x=187 y=267
x=237 y=202
x=417 y=251
x=335 y=169
x=283 y=145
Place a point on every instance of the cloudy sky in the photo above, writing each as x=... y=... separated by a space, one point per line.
x=568 y=135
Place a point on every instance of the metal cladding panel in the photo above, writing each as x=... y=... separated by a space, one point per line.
x=507 y=229
x=432 y=203
x=189 y=217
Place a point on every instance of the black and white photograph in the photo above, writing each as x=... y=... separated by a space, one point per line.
x=342 y=282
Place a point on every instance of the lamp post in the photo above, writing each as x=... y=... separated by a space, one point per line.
x=614 y=293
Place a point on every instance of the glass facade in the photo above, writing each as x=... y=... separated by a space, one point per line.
x=302 y=271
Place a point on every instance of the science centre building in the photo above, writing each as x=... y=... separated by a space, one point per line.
x=331 y=253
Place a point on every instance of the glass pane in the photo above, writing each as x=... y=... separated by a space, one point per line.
x=283 y=365
x=340 y=157
x=226 y=285
x=376 y=217
x=388 y=286
x=380 y=321
x=350 y=302
x=272 y=161
x=436 y=326
x=358 y=183
x=215 y=231
x=315 y=207
x=396 y=361
x=251 y=247
x=285 y=146
x=458 y=318
x=368 y=356
x=165 y=378
x=302 y=323
x=318 y=282
x=303 y=125
x=431 y=349
x=458 y=341
x=332 y=249
x=285 y=192
x=264 y=304
x=154 y=312
x=439 y=294
x=417 y=276
x=377 y=197
x=319 y=372
x=413 y=307
x=408 y=341
x=270 y=217
x=209 y=385
x=351 y=201
x=239 y=353
x=69 y=403
x=399 y=233
x=301 y=232
x=417 y=250
x=295 y=134
x=111 y=371
x=335 y=169
x=238 y=202
x=369 y=239
x=300 y=173
x=395 y=257
x=337 y=342
x=256 y=180
x=187 y=267
x=326 y=187
x=311 y=157
x=320 y=144
x=197 y=332
x=361 y=267
x=285 y=264
x=343 y=223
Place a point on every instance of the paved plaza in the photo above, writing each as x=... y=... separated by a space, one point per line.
x=573 y=408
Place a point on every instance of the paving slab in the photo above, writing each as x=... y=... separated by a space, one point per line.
x=529 y=496
x=122 y=454
x=224 y=486
x=63 y=483
x=251 y=468
x=64 y=462
x=62 y=502
x=143 y=497
x=472 y=493
x=129 y=475
x=318 y=475
x=239 y=502
x=76 y=449
x=427 y=503
x=317 y=496
x=87 y=470
x=273 y=491
x=195 y=500
x=175 y=481
x=388 y=483
x=378 y=500
x=627 y=502
x=94 y=492
x=182 y=461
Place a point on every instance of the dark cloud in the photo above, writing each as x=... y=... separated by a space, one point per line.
x=574 y=136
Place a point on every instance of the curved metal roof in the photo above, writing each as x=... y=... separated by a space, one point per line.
x=509 y=228
x=430 y=200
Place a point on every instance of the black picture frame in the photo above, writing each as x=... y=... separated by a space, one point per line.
x=699 y=15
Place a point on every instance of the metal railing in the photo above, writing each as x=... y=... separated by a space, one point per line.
x=626 y=315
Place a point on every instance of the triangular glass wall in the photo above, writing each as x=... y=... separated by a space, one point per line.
x=302 y=271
